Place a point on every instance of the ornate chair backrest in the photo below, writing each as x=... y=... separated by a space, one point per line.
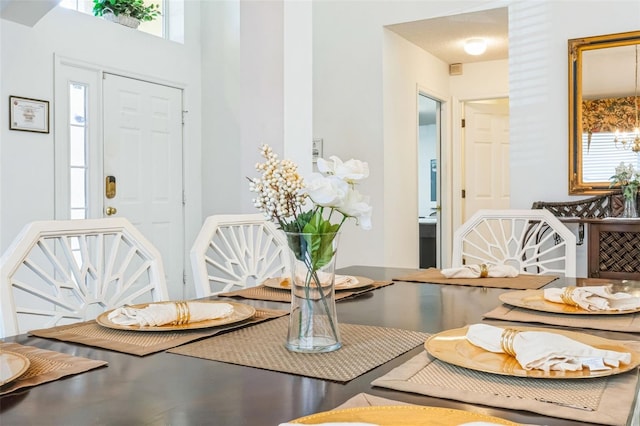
x=532 y=241
x=64 y=271
x=232 y=252
x=600 y=206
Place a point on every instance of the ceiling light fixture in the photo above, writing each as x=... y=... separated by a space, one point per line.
x=475 y=46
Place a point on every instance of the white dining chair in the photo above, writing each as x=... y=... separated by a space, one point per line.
x=232 y=252
x=60 y=272
x=532 y=241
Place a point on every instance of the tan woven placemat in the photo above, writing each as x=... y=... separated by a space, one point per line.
x=626 y=323
x=262 y=346
x=606 y=400
x=521 y=282
x=367 y=400
x=142 y=343
x=262 y=292
x=45 y=366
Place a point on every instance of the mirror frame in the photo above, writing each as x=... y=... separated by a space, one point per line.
x=576 y=48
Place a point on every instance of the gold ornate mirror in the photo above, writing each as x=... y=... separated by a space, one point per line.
x=603 y=109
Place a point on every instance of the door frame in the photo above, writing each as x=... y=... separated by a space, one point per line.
x=443 y=201
x=459 y=142
x=61 y=149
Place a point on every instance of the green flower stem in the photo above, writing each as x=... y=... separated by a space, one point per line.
x=312 y=274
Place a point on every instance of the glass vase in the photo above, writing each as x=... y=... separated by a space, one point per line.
x=313 y=323
x=630 y=202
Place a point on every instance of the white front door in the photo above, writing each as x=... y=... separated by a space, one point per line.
x=486 y=156
x=143 y=154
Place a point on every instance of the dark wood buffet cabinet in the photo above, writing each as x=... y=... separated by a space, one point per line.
x=613 y=247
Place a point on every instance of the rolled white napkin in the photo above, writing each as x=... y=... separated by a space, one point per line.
x=546 y=351
x=593 y=298
x=475 y=271
x=345 y=280
x=156 y=314
x=325 y=276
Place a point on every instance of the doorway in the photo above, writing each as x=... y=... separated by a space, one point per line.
x=485 y=156
x=428 y=179
x=142 y=154
x=125 y=131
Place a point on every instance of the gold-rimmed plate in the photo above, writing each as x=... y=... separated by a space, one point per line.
x=452 y=346
x=241 y=312
x=12 y=366
x=401 y=415
x=284 y=283
x=534 y=300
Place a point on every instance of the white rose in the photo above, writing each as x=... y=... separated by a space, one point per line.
x=326 y=191
x=357 y=205
x=351 y=170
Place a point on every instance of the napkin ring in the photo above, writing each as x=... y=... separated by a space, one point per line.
x=566 y=296
x=484 y=271
x=506 y=341
x=183 y=313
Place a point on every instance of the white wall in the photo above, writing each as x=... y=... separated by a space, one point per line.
x=539 y=92
x=350 y=96
x=365 y=85
x=27 y=68
x=406 y=69
x=242 y=56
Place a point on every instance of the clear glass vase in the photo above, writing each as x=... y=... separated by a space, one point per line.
x=313 y=323
x=630 y=202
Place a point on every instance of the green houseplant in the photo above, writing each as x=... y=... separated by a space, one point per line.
x=126 y=12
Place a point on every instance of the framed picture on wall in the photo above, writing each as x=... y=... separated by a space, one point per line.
x=29 y=115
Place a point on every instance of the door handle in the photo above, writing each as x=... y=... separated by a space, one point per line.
x=110 y=187
x=111 y=211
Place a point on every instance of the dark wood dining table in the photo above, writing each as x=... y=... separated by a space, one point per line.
x=171 y=389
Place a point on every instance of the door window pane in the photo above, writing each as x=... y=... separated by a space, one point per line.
x=77 y=140
x=78 y=171
x=155 y=27
x=77 y=101
x=78 y=190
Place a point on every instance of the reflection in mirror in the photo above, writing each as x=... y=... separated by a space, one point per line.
x=603 y=109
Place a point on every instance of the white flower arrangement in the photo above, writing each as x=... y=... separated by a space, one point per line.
x=282 y=193
x=283 y=196
x=627 y=177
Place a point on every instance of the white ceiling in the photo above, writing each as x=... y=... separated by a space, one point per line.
x=444 y=37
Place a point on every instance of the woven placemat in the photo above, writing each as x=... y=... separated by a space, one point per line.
x=263 y=292
x=142 y=343
x=626 y=323
x=45 y=366
x=605 y=400
x=262 y=346
x=521 y=282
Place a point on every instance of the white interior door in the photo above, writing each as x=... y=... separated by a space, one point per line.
x=143 y=152
x=486 y=156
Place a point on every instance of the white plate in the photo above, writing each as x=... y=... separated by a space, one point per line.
x=12 y=366
x=284 y=283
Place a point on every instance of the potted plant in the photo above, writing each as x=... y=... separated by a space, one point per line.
x=126 y=12
x=629 y=180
